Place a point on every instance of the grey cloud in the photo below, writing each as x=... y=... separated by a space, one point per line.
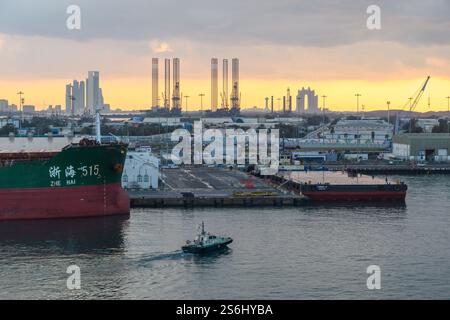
x=319 y=23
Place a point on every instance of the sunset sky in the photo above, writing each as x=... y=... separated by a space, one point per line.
x=322 y=44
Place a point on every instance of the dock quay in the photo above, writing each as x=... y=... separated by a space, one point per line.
x=214 y=187
x=393 y=169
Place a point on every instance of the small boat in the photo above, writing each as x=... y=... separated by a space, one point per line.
x=206 y=242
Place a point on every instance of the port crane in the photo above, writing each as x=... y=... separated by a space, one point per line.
x=418 y=95
x=413 y=102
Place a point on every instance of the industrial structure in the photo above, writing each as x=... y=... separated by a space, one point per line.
x=235 y=94
x=155 y=82
x=176 y=97
x=214 y=83
x=224 y=94
x=166 y=94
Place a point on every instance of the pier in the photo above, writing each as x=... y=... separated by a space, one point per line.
x=435 y=168
x=214 y=187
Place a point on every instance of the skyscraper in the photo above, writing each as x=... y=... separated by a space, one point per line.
x=214 y=83
x=225 y=84
x=93 y=91
x=78 y=97
x=101 y=101
x=235 y=103
x=155 y=80
x=176 y=98
x=81 y=105
x=68 y=99
x=167 y=84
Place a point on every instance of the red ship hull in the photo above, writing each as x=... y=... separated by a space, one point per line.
x=65 y=202
x=355 y=196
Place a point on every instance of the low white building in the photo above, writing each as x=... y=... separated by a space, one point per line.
x=427 y=124
x=6 y=121
x=163 y=121
x=365 y=130
x=141 y=169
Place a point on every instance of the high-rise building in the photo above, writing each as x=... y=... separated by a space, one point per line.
x=313 y=101
x=29 y=109
x=167 y=84
x=101 y=101
x=68 y=99
x=57 y=109
x=93 y=92
x=4 y=105
x=225 y=84
x=176 y=98
x=78 y=96
x=81 y=105
x=235 y=99
x=155 y=80
x=214 y=83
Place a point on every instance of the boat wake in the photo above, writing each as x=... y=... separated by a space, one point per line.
x=144 y=260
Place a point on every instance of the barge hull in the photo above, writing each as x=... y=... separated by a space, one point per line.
x=355 y=196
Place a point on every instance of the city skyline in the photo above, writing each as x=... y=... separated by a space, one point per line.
x=325 y=46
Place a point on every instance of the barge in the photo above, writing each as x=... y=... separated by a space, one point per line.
x=329 y=186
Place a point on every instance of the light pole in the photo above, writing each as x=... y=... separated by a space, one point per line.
x=389 y=115
x=187 y=97
x=323 y=118
x=448 y=104
x=357 y=102
x=21 y=101
x=357 y=113
x=201 y=95
x=448 y=112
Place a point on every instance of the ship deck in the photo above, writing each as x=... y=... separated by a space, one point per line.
x=333 y=177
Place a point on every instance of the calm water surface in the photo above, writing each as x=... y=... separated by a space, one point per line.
x=318 y=252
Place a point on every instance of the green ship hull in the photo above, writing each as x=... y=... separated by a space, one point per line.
x=79 y=181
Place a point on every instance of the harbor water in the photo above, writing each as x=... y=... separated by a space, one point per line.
x=312 y=252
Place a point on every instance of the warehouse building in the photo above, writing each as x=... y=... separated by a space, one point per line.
x=141 y=169
x=422 y=146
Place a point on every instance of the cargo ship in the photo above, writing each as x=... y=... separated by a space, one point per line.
x=81 y=180
x=329 y=186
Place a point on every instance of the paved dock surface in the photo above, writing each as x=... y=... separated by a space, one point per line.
x=210 y=186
